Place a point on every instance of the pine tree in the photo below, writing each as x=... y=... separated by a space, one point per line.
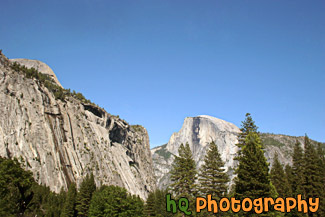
x=86 y=190
x=253 y=179
x=183 y=173
x=278 y=178
x=321 y=165
x=160 y=203
x=114 y=201
x=312 y=184
x=149 y=208
x=295 y=176
x=15 y=188
x=69 y=207
x=213 y=179
x=297 y=170
x=289 y=177
x=248 y=125
x=156 y=204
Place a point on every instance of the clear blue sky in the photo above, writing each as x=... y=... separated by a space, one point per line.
x=156 y=62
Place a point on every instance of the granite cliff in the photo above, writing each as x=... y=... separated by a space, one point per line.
x=61 y=140
x=200 y=131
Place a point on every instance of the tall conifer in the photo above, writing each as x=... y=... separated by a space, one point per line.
x=149 y=207
x=312 y=183
x=278 y=178
x=183 y=173
x=86 y=190
x=321 y=165
x=213 y=178
x=253 y=178
x=69 y=207
x=297 y=169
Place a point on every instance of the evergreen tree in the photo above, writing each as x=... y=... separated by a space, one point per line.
x=213 y=179
x=54 y=203
x=297 y=170
x=321 y=165
x=248 y=126
x=114 y=201
x=312 y=184
x=149 y=208
x=69 y=207
x=289 y=177
x=253 y=179
x=84 y=195
x=160 y=203
x=15 y=188
x=278 y=178
x=183 y=173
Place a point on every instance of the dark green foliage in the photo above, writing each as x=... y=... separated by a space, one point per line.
x=321 y=165
x=278 y=178
x=54 y=204
x=156 y=204
x=164 y=152
x=297 y=170
x=69 y=207
x=149 y=208
x=113 y=201
x=248 y=126
x=253 y=179
x=212 y=178
x=59 y=92
x=289 y=177
x=86 y=190
x=20 y=195
x=272 y=142
x=313 y=177
x=183 y=173
x=15 y=188
x=137 y=128
x=296 y=176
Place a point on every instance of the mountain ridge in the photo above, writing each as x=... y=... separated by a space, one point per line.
x=60 y=136
x=224 y=136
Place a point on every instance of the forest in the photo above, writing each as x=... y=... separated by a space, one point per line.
x=21 y=195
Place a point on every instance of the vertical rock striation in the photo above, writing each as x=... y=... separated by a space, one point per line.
x=61 y=141
x=200 y=131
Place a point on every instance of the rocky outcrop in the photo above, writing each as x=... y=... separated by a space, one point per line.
x=61 y=141
x=38 y=65
x=200 y=131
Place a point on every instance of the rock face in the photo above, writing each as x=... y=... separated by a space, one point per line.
x=61 y=141
x=40 y=66
x=200 y=131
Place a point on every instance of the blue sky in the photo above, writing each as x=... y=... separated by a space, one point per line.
x=155 y=62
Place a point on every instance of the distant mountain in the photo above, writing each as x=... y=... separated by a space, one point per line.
x=60 y=136
x=200 y=131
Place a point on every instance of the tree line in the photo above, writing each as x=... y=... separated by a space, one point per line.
x=254 y=178
x=59 y=92
x=21 y=195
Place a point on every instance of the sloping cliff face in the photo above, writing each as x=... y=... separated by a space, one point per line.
x=40 y=66
x=61 y=141
x=200 y=131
